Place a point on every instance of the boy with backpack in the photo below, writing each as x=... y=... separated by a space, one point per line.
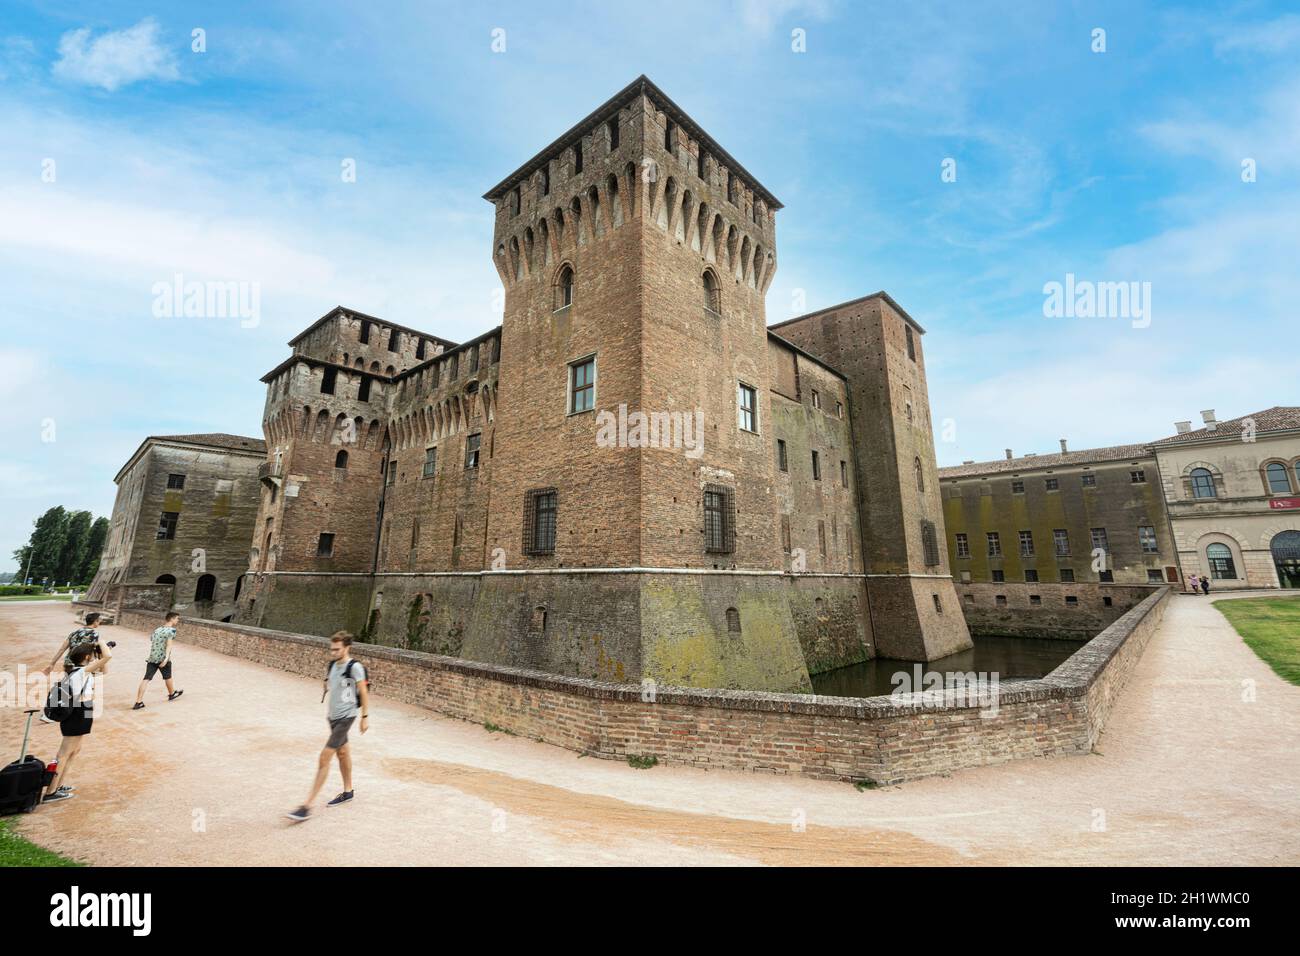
x=72 y=706
x=160 y=659
x=82 y=635
x=349 y=695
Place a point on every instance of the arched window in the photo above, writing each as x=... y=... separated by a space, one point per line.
x=165 y=579
x=733 y=620
x=564 y=289
x=206 y=588
x=920 y=475
x=1202 y=483
x=1278 y=480
x=341 y=460
x=1219 y=557
x=711 y=292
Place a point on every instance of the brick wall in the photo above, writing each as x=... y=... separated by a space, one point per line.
x=878 y=738
x=1096 y=606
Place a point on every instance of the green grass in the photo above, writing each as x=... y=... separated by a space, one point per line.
x=1271 y=628
x=37 y=597
x=15 y=851
x=642 y=761
x=865 y=784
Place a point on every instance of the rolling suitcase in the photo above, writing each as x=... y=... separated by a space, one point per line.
x=24 y=780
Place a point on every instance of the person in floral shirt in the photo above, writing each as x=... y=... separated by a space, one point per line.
x=82 y=635
x=160 y=659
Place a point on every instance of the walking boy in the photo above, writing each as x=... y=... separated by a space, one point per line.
x=349 y=695
x=82 y=635
x=160 y=659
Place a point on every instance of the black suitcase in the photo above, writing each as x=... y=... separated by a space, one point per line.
x=22 y=782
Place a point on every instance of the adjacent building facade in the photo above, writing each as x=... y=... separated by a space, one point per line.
x=181 y=524
x=1221 y=501
x=633 y=476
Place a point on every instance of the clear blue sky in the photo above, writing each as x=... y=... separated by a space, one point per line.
x=1123 y=165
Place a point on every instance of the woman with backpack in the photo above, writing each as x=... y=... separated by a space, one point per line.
x=77 y=691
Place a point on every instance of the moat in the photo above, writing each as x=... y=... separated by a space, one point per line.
x=1011 y=658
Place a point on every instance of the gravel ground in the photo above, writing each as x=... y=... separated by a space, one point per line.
x=1189 y=771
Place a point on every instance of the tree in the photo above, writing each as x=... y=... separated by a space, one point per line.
x=73 y=553
x=94 y=550
x=46 y=544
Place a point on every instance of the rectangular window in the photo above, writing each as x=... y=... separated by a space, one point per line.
x=1017 y=487
x=929 y=544
x=911 y=343
x=844 y=474
x=1026 y=544
x=1099 y=539
x=785 y=534
x=1031 y=575
x=419 y=351
x=582 y=386
x=817 y=466
x=577 y=157
x=325 y=545
x=175 y=482
x=613 y=134
x=816 y=399
x=327 y=381
x=998 y=576
x=747 y=405
x=167 y=525
x=1106 y=577
x=668 y=135
x=839 y=409
x=1051 y=484
x=363 y=390
x=781 y=461
x=963 y=546
x=719 y=520
x=1138 y=477
x=539 y=521
x=1061 y=537
x=699 y=163
x=1088 y=481
x=1000 y=599
x=1071 y=601
x=1147 y=536
x=1155 y=576
x=1067 y=575
x=430 y=461
x=821 y=537
x=394 y=340
x=546 y=180
x=995 y=544
x=1035 y=599
x=365 y=332
x=392 y=471
x=472 y=443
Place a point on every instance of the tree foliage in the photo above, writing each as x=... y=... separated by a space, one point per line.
x=64 y=548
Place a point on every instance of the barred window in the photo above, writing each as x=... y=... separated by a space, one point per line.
x=929 y=544
x=430 y=461
x=1017 y=487
x=1088 y=481
x=719 y=520
x=539 y=521
x=175 y=482
x=1051 y=484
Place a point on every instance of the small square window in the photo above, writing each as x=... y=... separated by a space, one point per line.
x=1051 y=484
x=1088 y=481
x=1071 y=601
x=1138 y=477
x=1000 y=600
x=1155 y=576
x=1035 y=599
x=1031 y=575
x=175 y=482
x=1017 y=487
x=998 y=575
x=1067 y=575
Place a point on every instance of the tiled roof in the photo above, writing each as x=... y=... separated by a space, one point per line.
x=217 y=440
x=1277 y=418
x=1087 y=456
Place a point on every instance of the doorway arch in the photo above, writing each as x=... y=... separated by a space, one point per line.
x=1285 y=548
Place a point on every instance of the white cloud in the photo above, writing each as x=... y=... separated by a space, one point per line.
x=1268 y=37
x=116 y=58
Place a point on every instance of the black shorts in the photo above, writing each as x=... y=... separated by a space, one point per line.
x=150 y=668
x=339 y=732
x=77 y=725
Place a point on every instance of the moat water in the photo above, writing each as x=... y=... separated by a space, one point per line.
x=1011 y=658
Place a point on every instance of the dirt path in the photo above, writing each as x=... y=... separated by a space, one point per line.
x=1187 y=772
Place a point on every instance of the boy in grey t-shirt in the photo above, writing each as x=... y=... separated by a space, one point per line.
x=348 y=694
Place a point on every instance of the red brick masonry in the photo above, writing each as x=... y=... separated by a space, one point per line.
x=877 y=738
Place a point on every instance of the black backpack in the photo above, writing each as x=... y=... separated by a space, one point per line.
x=61 y=703
x=347 y=675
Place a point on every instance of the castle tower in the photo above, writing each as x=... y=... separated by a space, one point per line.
x=914 y=605
x=326 y=426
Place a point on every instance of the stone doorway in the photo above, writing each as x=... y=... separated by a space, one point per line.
x=1285 y=547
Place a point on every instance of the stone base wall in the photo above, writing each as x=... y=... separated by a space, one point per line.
x=1052 y=616
x=888 y=740
x=673 y=627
